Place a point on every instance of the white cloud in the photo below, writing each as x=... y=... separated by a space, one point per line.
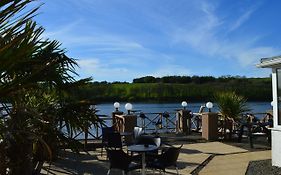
x=244 y=17
x=169 y=70
x=207 y=37
x=93 y=67
x=249 y=57
x=111 y=47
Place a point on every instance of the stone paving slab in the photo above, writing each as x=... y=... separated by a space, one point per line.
x=190 y=158
x=233 y=164
x=88 y=164
x=216 y=148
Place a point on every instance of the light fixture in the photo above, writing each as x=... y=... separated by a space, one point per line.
x=209 y=105
x=184 y=104
x=116 y=106
x=272 y=103
x=128 y=107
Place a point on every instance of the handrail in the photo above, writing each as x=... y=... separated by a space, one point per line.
x=151 y=122
x=160 y=120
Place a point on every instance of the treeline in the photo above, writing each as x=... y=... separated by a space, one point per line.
x=188 y=79
x=176 y=88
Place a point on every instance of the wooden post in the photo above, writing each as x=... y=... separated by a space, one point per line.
x=114 y=122
x=210 y=125
x=184 y=121
x=130 y=121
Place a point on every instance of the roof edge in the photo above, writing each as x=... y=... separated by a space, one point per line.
x=269 y=62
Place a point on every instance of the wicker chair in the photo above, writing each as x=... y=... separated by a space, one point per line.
x=118 y=159
x=166 y=159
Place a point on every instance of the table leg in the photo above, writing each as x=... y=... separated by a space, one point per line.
x=143 y=163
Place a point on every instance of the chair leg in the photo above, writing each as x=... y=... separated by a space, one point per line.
x=108 y=172
x=101 y=151
x=123 y=172
x=177 y=170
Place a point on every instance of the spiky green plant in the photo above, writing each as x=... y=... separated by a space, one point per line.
x=231 y=105
x=35 y=76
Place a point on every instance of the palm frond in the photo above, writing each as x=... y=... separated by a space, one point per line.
x=231 y=105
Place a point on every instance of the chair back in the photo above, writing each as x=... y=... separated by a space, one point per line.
x=157 y=141
x=114 y=140
x=145 y=139
x=118 y=159
x=170 y=156
x=137 y=132
x=105 y=132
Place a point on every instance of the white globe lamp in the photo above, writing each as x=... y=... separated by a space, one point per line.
x=128 y=107
x=184 y=104
x=116 y=106
x=209 y=105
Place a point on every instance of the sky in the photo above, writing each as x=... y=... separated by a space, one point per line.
x=119 y=40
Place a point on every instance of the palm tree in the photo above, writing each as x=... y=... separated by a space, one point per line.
x=35 y=77
x=231 y=107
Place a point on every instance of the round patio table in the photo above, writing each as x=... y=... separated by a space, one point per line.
x=142 y=149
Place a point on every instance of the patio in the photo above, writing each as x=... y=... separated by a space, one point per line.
x=195 y=158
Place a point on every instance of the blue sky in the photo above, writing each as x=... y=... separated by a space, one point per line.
x=119 y=40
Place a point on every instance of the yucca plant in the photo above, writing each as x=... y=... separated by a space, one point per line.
x=231 y=105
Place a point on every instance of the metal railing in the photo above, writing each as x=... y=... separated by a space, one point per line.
x=158 y=122
x=95 y=130
x=155 y=122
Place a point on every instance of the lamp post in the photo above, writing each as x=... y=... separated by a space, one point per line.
x=184 y=104
x=116 y=106
x=128 y=107
x=209 y=105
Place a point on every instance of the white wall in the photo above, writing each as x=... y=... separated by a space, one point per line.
x=276 y=131
x=276 y=147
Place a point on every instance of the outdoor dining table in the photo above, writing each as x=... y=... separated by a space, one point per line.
x=141 y=148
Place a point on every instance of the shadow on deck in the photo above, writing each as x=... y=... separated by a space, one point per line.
x=195 y=156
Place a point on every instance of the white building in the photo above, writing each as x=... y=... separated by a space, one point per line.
x=275 y=64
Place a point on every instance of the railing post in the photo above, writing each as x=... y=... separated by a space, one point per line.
x=210 y=125
x=114 y=120
x=130 y=121
x=86 y=137
x=183 y=121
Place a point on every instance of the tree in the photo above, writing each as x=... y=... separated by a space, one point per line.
x=35 y=77
x=231 y=105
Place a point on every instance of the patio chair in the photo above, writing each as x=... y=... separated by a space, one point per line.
x=105 y=132
x=118 y=159
x=150 y=156
x=137 y=132
x=253 y=131
x=147 y=140
x=114 y=141
x=166 y=159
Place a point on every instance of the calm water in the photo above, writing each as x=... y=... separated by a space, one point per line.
x=107 y=108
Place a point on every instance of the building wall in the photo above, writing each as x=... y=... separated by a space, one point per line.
x=276 y=147
x=276 y=130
